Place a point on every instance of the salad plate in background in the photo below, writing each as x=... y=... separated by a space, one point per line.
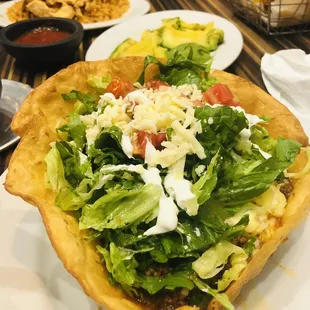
x=137 y=8
x=224 y=56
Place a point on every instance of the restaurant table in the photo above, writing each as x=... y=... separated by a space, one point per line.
x=256 y=43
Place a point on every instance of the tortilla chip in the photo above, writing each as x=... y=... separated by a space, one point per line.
x=36 y=122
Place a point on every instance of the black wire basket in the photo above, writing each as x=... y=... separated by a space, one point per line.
x=275 y=16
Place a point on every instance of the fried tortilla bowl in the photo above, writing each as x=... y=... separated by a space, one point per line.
x=36 y=122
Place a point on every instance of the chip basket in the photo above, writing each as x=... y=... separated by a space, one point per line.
x=275 y=16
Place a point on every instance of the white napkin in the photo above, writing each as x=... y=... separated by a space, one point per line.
x=286 y=75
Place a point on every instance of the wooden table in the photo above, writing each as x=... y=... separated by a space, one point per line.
x=247 y=65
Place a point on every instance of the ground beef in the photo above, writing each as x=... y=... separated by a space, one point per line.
x=286 y=188
x=165 y=300
x=213 y=281
x=241 y=240
x=157 y=271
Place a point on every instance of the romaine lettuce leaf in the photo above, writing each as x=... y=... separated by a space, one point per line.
x=261 y=137
x=88 y=186
x=171 y=281
x=224 y=122
x=75 y=165
x=213 y=215
x=121 y=208
x=189 y=240
x=75 y=130
x=205 y=185
x=196 y=236
x=107 y=148
x=239 y=166
x=105 y=156
x=235 y=231
x=92 y=188
x=120 y=262
x=197 y=53
x=85 y=103
x=109 y=137
x=123 y=265
x=55 y=173
x=259 y=179
x=68 y=200
x=188 y=64
x=74 y=199
x=220 y=297
x=124 y=180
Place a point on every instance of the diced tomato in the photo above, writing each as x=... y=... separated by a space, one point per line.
x=143 y=137
x=198 y=103
x=220 y=93
x=160 y=137
x=155 y=84
x=119 y=87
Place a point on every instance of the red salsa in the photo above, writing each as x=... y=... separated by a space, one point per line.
x=42 y=35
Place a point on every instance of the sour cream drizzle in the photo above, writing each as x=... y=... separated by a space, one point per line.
x=180 y=188
x=127 y=146
x=150 y=150
x=167 y=218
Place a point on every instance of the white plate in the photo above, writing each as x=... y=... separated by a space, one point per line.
x=33 y=278
x=224 y=56
x=137 y=8
x=31 y=275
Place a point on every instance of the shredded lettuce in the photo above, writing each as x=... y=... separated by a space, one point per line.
x=75 y=130
x=238 y=263
x=55 y=170
x=121 y=208
x=120 y=263
x=68 y=200
x=212 y=261
x=84 y=103
x=220 y=297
